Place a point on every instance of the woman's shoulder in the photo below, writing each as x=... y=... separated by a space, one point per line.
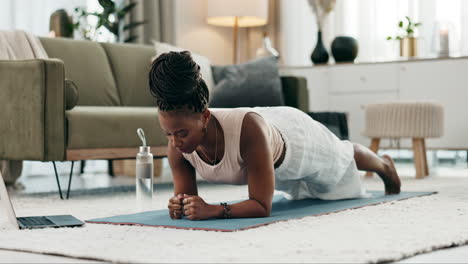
x=248 y=118
x=254 y=134
x=231 y=115
x=254 y=127
x=233 y=110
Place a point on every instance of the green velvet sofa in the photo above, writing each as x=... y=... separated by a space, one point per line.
x=39 y=118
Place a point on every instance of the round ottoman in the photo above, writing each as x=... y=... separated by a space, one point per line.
x=416 y=120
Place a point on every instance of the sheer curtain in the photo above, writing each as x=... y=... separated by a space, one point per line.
x=160 y=21
x=370 y=22
x=32 y=16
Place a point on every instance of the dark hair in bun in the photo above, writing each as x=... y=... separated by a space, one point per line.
x=176 y=83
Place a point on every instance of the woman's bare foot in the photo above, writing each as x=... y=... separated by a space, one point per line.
x=390 y=177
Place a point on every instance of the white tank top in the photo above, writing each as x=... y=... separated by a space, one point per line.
x=232 y=169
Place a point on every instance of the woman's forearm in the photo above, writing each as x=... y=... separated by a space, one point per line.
x=244 y=209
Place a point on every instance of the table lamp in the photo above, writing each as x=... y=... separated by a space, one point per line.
x=237 y=13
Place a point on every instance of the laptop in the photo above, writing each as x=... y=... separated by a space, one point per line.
x=32 y=222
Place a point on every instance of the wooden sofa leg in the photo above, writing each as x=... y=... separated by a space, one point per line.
x=420 y=162
x=375 y=142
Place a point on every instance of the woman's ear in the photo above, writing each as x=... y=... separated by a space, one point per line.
x=206 y=116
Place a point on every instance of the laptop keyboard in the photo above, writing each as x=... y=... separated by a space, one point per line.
x=35 y=221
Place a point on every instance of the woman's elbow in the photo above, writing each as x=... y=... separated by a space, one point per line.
x=266 y=212
x=263 y=209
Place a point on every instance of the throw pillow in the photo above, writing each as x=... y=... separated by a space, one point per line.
x=203 y=62
x=255 y=83
x=71 y=94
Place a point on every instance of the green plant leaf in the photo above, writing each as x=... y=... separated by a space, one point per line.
x=94 y=14
x=108 y=8
x=409 y=26
x=122 y=12
x=417 y=24
x=389 y=38
x=107 y=4
x=131 y=38
x=112 y=27
x=400 y=24
x=101 y=21
x=134 y=24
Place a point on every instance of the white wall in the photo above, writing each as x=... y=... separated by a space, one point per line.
x=294 y=18
x=193 y=33
x=32 y=16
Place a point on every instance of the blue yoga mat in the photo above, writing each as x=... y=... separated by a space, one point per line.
x=282 y=210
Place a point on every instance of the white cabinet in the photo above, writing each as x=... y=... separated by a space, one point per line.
x=445 y=82
x=363 y=78
x=317 y=84
x=349 y=87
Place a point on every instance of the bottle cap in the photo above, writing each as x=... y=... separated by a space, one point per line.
x=144 y=149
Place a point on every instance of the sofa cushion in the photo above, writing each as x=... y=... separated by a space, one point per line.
x=130 y=64
x=255 y=83
x=112 y=127
x=86 y=64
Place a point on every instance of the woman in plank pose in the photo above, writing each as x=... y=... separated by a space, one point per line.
x=266 y=148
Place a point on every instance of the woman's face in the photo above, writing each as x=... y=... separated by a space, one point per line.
x=184 y=129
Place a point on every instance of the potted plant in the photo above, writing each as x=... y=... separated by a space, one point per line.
x=112 y=17
x=408 y=42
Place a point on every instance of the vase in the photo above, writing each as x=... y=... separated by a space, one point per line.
x=344 y=49
x=320 y=54
x=409 y=47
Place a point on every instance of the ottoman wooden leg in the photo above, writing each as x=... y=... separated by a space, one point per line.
x=426 y=168
x=420 y=162
x=375 y=148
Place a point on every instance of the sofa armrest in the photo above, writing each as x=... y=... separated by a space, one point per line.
x=32 y=110
x=295 y=92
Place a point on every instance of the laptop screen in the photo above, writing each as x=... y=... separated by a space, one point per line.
x=5 y=204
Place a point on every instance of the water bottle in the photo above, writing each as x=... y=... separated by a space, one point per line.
x=144 y=176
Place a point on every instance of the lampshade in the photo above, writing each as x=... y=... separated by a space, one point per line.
x=250 y=13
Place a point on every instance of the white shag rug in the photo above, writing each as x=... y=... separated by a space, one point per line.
x=381 y=233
